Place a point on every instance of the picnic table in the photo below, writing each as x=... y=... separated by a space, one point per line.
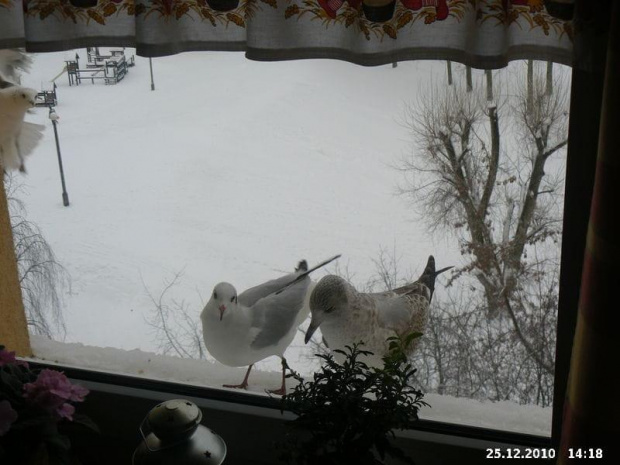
x=110 y=68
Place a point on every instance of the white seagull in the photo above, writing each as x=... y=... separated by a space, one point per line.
x=347 y=316
x=240 y=330
x=17 y=137
x=12 y=63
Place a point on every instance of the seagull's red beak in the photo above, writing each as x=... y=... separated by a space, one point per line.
x=222 y=309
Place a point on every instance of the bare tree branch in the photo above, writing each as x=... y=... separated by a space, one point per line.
x=42 y=278
x=177 y=329
x=483 y=173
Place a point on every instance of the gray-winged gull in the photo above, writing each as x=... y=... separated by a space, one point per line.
x=347 y=316
x=240 y=330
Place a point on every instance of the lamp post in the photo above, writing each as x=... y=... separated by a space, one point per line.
x=54 y=118
x=151 y=67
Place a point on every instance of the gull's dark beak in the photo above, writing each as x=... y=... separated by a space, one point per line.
x=222 y=309
x=311 y=329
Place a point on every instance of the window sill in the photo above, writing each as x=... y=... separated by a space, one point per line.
x=251 y=424
x=153 y=377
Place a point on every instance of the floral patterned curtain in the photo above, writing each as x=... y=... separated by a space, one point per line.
x=480 y=33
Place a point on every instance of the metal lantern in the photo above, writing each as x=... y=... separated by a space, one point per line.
x=172 y=434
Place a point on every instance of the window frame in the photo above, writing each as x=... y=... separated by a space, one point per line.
x=586 y=97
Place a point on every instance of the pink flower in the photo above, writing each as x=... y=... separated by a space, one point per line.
x=8 y=358
x=52 y=391
x=7 y=417
x=66 y=411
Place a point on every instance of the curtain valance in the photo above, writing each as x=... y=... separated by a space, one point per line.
x=480 y=33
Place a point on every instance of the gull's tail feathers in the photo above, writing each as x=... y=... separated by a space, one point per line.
x=429 y=275
x=425 y=285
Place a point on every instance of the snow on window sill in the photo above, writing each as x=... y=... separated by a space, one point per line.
x=503 y=416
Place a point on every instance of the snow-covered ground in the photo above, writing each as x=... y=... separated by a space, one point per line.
x=231 y=170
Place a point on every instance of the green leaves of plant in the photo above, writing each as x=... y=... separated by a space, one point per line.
x=348 y=411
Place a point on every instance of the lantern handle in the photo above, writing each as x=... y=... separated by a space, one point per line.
x=149 y=431
x=143 y=434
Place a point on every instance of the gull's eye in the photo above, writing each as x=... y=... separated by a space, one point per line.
x=214 y=295
x=330 y=309
x=232 y=299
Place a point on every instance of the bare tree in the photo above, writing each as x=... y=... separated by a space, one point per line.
x=464 y=353
x=42 y=278
x=177 y=328
x=388 y=272
x=484 y=171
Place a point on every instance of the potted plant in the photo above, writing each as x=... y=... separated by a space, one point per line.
x=35 y=404
x=348 y=412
